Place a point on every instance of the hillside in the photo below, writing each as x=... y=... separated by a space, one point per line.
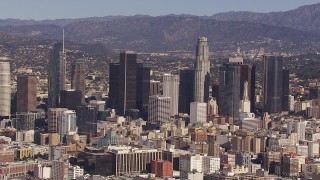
x=163 y=33
x=304 y=18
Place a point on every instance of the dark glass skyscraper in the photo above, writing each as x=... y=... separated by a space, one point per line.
x=185 y=91
x=129 y=84
x=143 y=89
x=127 y=81
x=229 y=90
x=114 y=76
x=286 y=91
x=57 y=74
x=87 y=119
x=273 y=84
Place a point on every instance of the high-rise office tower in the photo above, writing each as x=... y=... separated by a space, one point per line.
x=229 y=90
x=66 y=123
x=129 y=84
x=198 y=112
x=159 y=109
x=53 y=115
x=273 y=84
x=57 y=74
x=127 y=81
x=26 y=93
x=185 y=90
x=286 y=90
x=215 y=92
x=78 y=70
x=154 y=87
x=5 y=89
x=171 y=89
x=143 y=89
x=247 y=74
x=87 y=119
x=201 y=71
x=114 y=77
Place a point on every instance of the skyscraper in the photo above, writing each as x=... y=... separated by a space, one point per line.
x=53 y=115
x=286 y=90
x=201 y=71
x=229 y=90
x=159 y=109
x=78 y=77
x=171 y=89
x=127 y=81
x=185 y=90
x=87 y=119
x=26 y=93
x=143 y=89
x=114 y=77
x=248 y=74
x=57 y=74
x=154 y=88
x=129 y=84
x=198 y=112
x=66 y=123
x=5 y=89
x=273 y=84
x=245 y=102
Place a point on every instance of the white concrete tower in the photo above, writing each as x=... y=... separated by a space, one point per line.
x=245 y=102
x=5 y=89
x=171 y=89
x=202 y=70
x=67 y=123
x=198 y=112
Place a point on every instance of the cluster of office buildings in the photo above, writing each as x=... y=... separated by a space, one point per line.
x=185 y=126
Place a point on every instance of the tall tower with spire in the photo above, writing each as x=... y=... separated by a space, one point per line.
x=245 y=102
x=57 y=73
x=201 y=71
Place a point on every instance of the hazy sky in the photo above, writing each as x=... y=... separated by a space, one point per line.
x=53 y=9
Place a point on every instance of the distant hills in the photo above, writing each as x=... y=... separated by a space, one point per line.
x=304 y=18
x=299 y=27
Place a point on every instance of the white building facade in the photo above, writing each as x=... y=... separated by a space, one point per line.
x=171 y=89
x=198 y=112
x=67 y=123
x=5 y=89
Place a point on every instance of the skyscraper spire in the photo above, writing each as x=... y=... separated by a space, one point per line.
x=63 y=40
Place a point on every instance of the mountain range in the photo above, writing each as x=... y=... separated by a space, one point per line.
x=299 y=27
x=303 y=18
